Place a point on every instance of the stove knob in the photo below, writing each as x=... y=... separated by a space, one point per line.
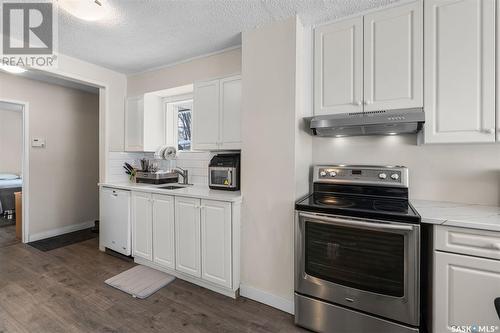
x=332 y=173
x=395 y=176
x=382 y=175
x=322 y=173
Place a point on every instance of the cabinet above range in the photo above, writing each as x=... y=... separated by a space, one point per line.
x=369 y=63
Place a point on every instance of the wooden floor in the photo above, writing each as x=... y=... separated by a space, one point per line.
x=63 y=290
x=8 y=236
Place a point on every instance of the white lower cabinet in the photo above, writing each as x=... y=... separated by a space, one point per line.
x=142 y=225
x=216 y=242
x=163 y=230
x=187 y=236
x=464 y=286
x=191 y=238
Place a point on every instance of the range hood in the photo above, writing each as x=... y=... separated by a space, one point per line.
x=388 y=122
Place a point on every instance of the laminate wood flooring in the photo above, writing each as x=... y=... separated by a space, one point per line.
x=63 y=290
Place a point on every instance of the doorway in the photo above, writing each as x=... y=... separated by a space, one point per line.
x=13 y=170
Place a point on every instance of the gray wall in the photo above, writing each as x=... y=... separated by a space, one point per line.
x=11 y=141
x=64 y=175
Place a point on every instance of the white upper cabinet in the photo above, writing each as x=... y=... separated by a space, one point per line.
x=163 y=231
x=369 y=63
x=134 y=124
x=338 y=67
x=459 y=71
x=216 y=242
x=206 y=115
x=393 y=58
x=230 y=113
x=144 y=123
x=187 y=236
x=216 y=114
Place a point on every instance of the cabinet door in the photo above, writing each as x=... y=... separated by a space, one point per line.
x=187 y=236
x=142 y=223
x=115 y=220
x=206 y=115
x=163 y=231
x=393 y=58
x=464 y=291
x=134 y=124
x=230 y=112
x=459 y=55
x=338 y=67
x=216 y=242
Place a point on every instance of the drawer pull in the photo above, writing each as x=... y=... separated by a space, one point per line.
x=496 y=246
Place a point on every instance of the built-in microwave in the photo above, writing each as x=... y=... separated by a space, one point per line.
x=224 y=172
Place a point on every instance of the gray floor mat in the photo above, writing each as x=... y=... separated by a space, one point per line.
x=140 y=281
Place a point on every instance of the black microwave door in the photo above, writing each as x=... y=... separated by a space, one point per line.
x=221 y=177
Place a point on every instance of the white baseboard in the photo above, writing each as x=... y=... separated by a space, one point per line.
x=60 y=231
x=260 y=296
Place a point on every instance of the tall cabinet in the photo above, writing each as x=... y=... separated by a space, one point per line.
x=216 y=114
x=371 y=62
x=459 y=71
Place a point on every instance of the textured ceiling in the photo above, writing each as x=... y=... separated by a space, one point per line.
x=142 y=34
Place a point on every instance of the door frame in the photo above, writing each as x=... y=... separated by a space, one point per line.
x=25 y=166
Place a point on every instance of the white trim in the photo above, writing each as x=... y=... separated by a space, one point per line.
x=264 y=297
x=172 y=64
x=60 y=231
x=25 y=167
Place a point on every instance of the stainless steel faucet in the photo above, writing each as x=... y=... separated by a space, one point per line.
x=184 y=173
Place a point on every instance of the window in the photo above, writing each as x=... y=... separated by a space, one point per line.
x=178 y=123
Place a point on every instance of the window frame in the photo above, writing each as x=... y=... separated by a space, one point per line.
x=170 y=120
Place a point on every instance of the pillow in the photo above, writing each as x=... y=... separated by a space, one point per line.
x=8 y=176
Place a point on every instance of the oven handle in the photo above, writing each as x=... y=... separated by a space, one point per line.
x=381 y=226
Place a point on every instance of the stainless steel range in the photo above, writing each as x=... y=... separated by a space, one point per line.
x=358 y=252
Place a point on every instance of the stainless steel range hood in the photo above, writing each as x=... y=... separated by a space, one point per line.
x=387 y=122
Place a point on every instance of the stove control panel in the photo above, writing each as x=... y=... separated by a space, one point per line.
x=359 y=174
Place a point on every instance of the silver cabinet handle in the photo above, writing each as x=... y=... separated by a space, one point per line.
x=357 y=103
x=353 y=223
x=368 y=102
x=488 y=130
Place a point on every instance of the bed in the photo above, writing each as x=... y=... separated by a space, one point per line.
x=9 y=184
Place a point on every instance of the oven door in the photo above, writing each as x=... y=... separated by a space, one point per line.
x=369 y=265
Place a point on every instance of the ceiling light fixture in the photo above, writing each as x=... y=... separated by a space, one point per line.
x=88 y=10
x=12 y=69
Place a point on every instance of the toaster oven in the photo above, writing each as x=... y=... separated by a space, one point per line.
x=224 y=172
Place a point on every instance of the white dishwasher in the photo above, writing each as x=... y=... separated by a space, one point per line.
x=114 y=218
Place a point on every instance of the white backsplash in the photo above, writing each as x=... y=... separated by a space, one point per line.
x=195 y=162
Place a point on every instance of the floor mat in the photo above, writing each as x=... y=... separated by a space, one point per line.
x=64 y=240
x=140 y=281
x=5 y=222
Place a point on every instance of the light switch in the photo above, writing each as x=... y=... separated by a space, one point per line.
x=38 y=142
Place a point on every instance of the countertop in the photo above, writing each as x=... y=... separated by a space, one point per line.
x=463 y=215
x=192 y=191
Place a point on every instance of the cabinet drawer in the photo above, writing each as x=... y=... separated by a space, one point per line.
x=474 y=242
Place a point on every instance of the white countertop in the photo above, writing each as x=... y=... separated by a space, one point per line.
x=192 y=191
x=459 y=214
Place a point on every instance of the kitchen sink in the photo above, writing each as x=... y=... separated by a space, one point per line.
x=171 y=187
